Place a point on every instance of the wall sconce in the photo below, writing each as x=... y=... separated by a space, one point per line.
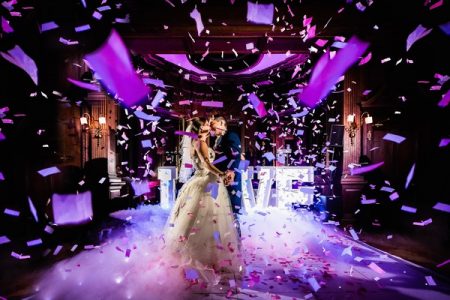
x=353 y=126
x=87 y=125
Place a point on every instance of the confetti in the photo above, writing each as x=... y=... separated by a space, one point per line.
x=195 y=14
x=112 y=63
x=19 y=58
x=260 y=13
x=442 y=207
x=394 y=138
x=327 y=71
x=416 y=35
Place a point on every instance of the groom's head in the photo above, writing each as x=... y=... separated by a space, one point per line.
x=219 y=126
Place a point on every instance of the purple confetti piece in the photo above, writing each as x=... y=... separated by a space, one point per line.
x=82 y=28
x=361 y=170
x=191 y=274
x=19 y=58
x=85 y=85
x=49 y=171
x=260 y=13
x=220 y=159
x=34 y=242
x=445 y=99
x=394 y=138
x=445 y=28
x=4 y=239
x=48 y=26
x=410 y=176
x=142 y=115
x=442 y=207
x=213 y=188
x=140 y=187
x=195 y=14
x=112 y=63
x=72 y=208
x=127 y=253
x=444 y=142
x=416 y=35
x=212 y=104
x=11 y=212
x=258 y=105
x=376 y=268
x=189 y=134
x=6 y=27
x=328 y=71
x=409 y=209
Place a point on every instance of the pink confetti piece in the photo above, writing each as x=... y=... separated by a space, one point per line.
x=443 y=263
x=442 y=207
x=19 y=58
x=394 y=138
x=416 y=35
x=195 y=14
x=365 y=59
x=361 y=170
x=218 y=104
x=260 y=13
x=184 y=102
x=6 y=27
x=445 y=99
x=437 y=4
x=189 y=134
x=385 y=60
x=11 y=212
x=49 y=171
x=48 y=26
x=327 y=71
x=376 y=268
x=85 y=85
x=112 y=63
x=409 y=209
x=321 y=42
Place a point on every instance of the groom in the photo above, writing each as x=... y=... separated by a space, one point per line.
x=228 y=157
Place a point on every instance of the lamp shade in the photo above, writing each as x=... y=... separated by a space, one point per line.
x=83 y=121
x=102 y=120
x=368 y=120
x=351 y=118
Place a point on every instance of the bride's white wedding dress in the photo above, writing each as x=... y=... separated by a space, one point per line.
x=201 y=229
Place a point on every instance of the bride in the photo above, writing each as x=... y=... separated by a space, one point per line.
x=200 y=230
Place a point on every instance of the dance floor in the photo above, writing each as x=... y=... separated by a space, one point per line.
x=288 y=255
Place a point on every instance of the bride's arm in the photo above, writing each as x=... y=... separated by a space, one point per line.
x=203 y=153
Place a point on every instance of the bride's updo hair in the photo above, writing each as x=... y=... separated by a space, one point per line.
x=196 y=123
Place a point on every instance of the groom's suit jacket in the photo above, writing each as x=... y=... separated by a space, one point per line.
x=228 y=150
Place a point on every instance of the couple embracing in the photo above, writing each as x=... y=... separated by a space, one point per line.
x=203 y=229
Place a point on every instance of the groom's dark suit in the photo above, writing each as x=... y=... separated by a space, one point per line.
x=229 y=146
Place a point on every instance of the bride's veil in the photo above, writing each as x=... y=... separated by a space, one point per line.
x=186 y=166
